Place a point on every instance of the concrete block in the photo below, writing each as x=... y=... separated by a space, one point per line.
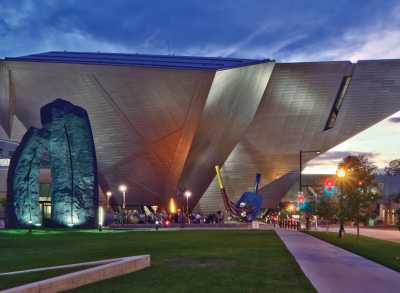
x=73 y=280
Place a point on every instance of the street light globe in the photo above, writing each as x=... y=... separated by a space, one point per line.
x=122 y=188
x=341 y=173
x=108 y=193
x=187 y=193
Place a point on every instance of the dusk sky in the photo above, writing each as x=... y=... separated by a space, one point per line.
x=286 y=31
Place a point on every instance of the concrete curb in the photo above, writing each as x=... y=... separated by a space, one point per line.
x=114 y=268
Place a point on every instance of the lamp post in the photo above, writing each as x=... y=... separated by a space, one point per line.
x=108 y=195
x=341 y=174
x=123 y=189
x=301 y=169
x=187 y=194
x=301 y=164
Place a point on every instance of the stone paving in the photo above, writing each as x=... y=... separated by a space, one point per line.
x=332 y=269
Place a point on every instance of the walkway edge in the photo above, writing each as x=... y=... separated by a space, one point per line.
x=333 y=269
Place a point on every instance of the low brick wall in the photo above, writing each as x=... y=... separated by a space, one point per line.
x=77 y=279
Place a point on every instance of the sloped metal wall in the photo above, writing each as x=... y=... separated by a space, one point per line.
x=292 y=117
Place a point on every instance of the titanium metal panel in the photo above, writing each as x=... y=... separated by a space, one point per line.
x=373 y=95
x=291 y=117
x=231 y=104
x=293 y=114
x=6 y=101
x=140 y=117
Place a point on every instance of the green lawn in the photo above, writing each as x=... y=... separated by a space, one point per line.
x=182 y=261
x=380 y=251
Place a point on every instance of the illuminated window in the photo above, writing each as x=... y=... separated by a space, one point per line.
x=338 y=102
x=4 y=162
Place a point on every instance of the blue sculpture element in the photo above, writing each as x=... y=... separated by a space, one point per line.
x=23 y=179
x=68 y=139
x=250 y=202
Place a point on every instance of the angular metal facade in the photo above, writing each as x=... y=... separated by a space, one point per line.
x=161 y=123
x=292 y=116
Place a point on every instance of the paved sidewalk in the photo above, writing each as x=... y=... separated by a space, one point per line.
x=382 y=234
x=332 y=269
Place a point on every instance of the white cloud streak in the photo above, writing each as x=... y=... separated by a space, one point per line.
x=380 y=40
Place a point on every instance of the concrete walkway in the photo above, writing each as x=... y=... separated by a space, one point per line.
x=382 y=234
x=332 y=269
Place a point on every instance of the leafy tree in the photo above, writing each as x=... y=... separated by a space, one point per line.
x=358 y=190
x=327 y=208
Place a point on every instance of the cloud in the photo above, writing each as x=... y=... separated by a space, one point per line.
x=380 y=40
x=69 y=41
x=16 y=16
x=27 y=26
x=243 y=48
x=334 y=157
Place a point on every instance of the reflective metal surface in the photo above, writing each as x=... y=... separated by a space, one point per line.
x=292 y=116
x=161 y=130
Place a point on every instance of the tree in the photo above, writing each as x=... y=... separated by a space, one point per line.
x=358 y=190
x=327 y=208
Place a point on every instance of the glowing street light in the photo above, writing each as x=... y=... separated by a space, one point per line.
x=108 y=194
x=187 y=194
x=341 y=172
x=100 y=219
x=123 y=189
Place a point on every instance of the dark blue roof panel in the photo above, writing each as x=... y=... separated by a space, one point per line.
x=159 y=61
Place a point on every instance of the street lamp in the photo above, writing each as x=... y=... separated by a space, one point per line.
x=108 y=194
x=341 y=174
x=187 y=194
x=301 y=169
x=301 y=164
x=123 y=189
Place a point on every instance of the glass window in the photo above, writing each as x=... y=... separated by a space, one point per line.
x=330 y=123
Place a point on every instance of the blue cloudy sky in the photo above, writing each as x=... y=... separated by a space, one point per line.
x=282 y=30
